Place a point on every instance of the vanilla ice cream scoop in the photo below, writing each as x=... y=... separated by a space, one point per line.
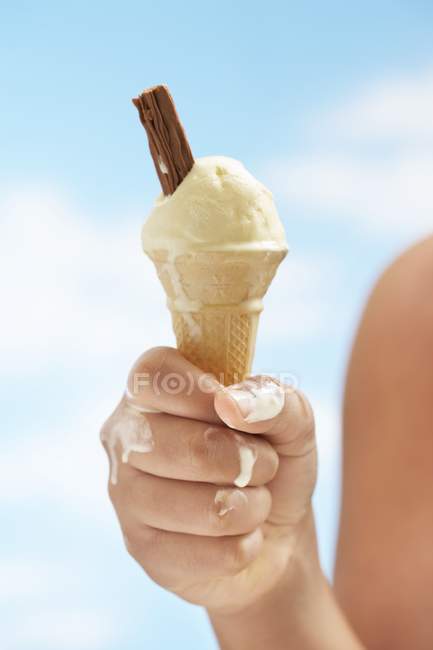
x=219 y=206
x=216 y=240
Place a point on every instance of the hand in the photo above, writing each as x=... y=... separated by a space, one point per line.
x=210 y=498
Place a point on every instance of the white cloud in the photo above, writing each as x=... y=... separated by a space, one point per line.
x=61 y=630
x=23 y=579
x=65 y=467
x=397 y=109
x=386 y=190
x=71 y=289
x=303 y=300
x=394 y=195
x=33 y=587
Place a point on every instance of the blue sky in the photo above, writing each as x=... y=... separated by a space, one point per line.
x=331 y=105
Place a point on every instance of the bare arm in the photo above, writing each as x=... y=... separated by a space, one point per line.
x=384 y=569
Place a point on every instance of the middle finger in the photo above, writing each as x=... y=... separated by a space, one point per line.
x=190 y=450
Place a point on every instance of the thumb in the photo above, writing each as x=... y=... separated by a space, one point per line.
x=283 y=416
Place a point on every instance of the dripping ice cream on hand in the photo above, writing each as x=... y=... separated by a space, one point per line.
x=216 y=240
x=128 y=429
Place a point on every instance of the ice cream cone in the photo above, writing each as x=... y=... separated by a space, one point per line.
x=215 y=299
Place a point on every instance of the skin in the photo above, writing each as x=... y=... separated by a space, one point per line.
x=386 y=532
x=255 y=567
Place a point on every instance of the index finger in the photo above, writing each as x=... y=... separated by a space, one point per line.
x=163 y=380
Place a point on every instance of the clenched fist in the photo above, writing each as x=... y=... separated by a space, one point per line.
x=211 y=484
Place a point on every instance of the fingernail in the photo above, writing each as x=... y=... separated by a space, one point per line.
x=257 y=400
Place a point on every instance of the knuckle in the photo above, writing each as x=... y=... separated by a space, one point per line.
x=102 y=434
x=264 y=503
x=140 y=495
x=130 y=540
x=125 y=493
x=204 y=449
x=306 y=407
x=141 y=374
x=116 y=496
x=104 y=431
x=300 y=426
x=236 y=555
x=240 y=554
x=152 y=359
x=138 y=486
x=307 y=428
x=272 y=461
x=139 y=540
x=308 y=439
x=113 y=493
x=212 y=447
x=197 y=450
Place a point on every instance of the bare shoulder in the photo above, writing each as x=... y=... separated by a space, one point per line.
x=384 y=568
x=405 y=290
x=393 y=349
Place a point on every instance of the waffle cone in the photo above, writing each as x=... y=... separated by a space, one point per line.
x=215 y=300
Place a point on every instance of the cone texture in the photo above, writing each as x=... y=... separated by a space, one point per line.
x=215 y=299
